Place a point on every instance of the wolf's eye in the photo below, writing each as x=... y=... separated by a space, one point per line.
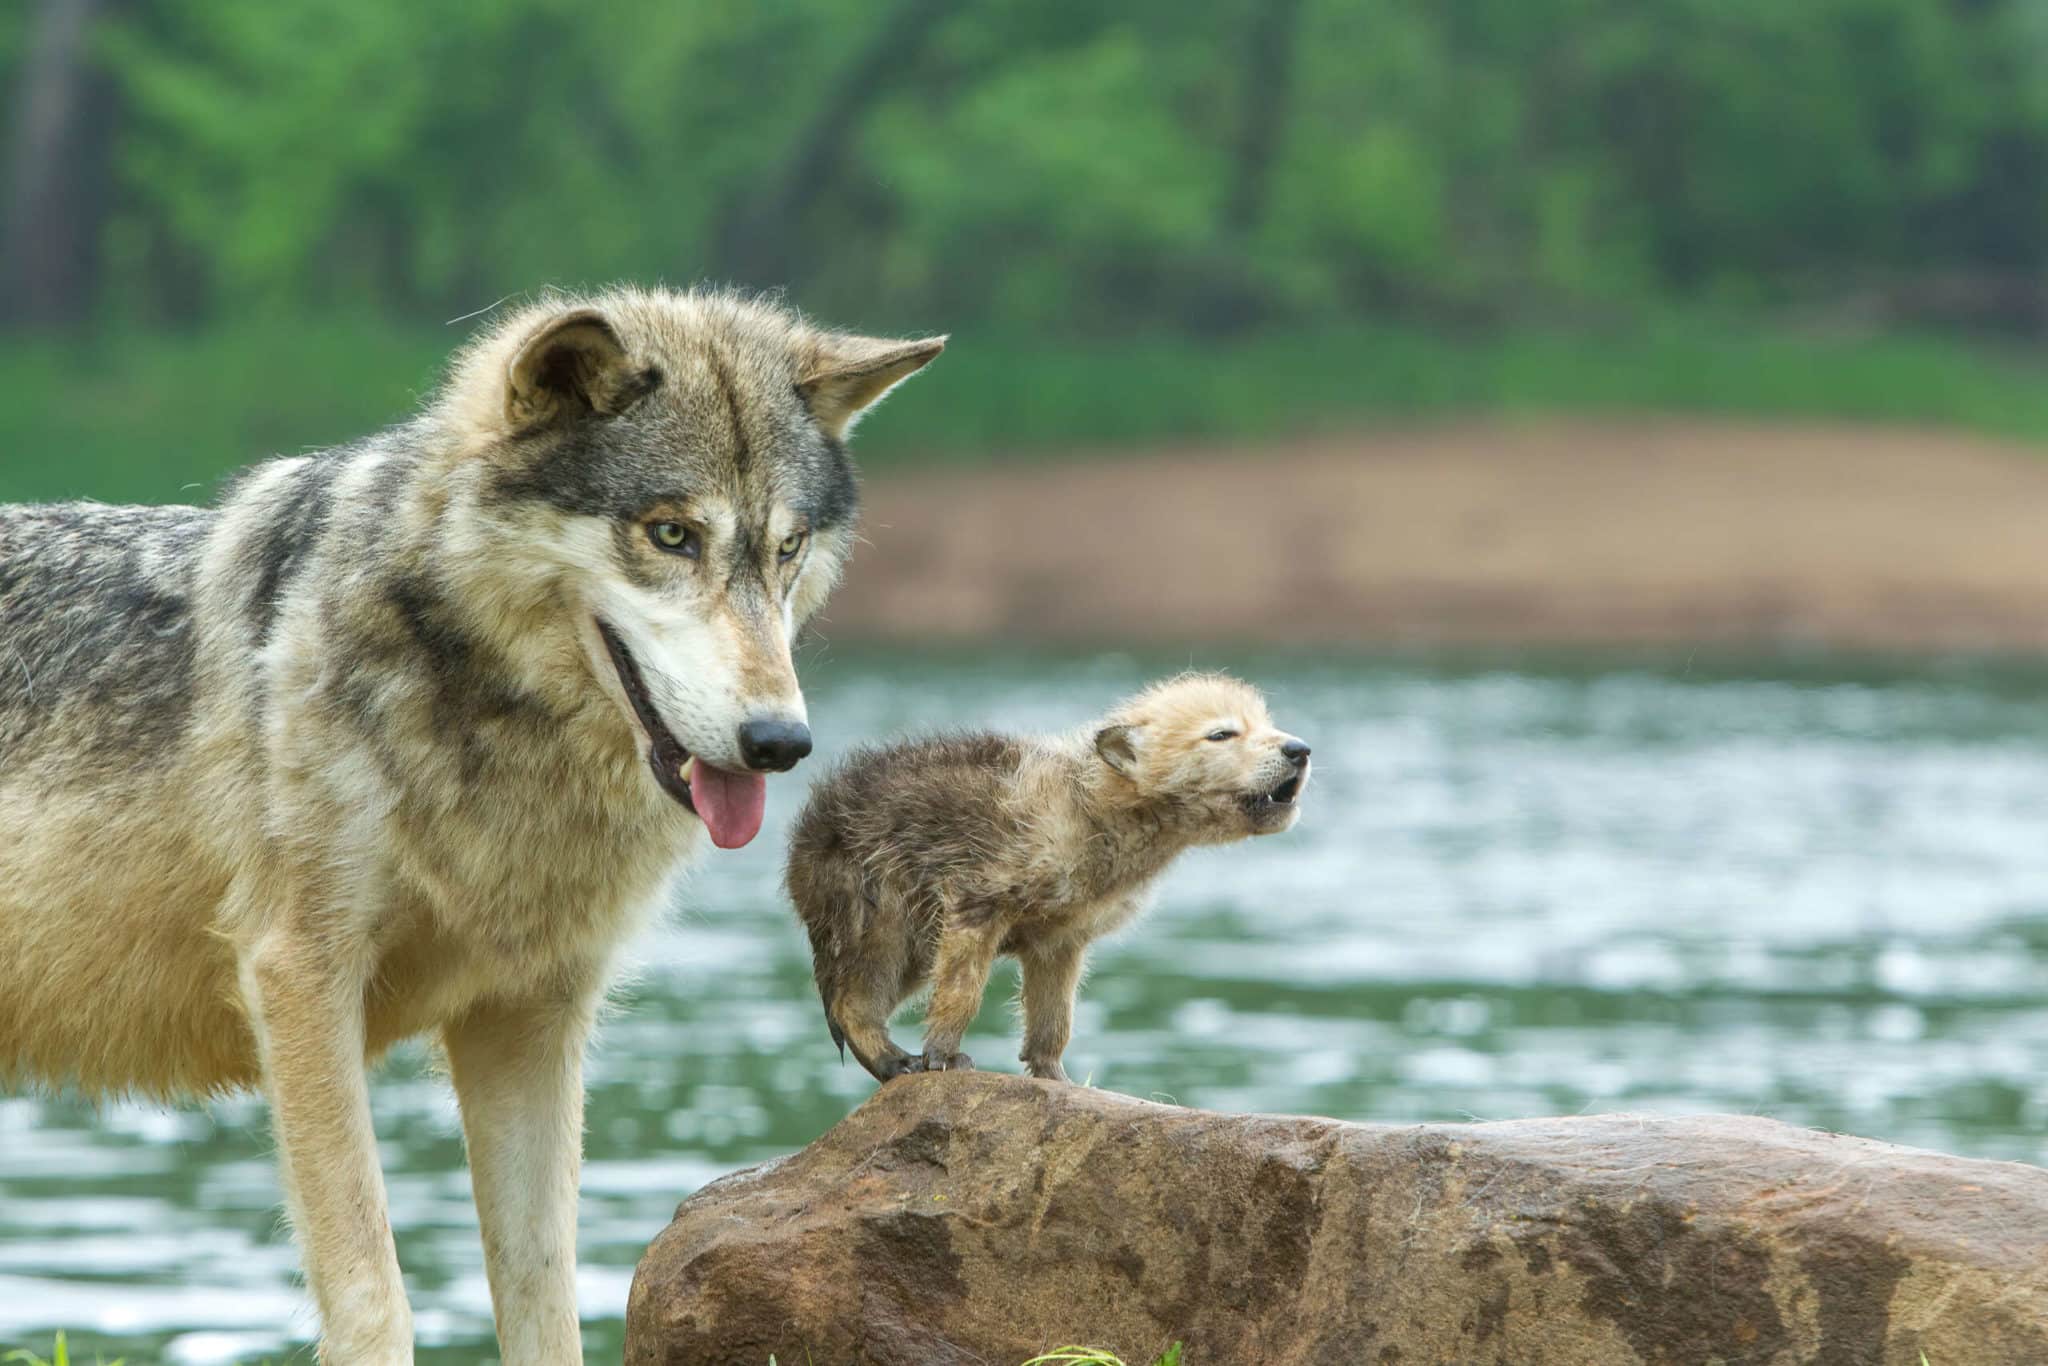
x=1222 y=735
x=791 y=543
x=675 y=538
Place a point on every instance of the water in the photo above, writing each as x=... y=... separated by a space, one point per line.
x=1816 y=891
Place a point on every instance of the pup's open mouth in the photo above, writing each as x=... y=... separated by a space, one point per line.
x=729 y=804
x=1260 y=802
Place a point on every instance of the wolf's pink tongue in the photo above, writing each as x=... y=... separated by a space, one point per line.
x=729 y=804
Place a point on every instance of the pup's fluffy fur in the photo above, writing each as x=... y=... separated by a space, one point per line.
x=924 y=861
x=397 y=739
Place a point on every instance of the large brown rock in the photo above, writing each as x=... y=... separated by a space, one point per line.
x=978 y=1218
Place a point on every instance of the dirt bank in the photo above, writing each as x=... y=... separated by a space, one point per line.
x=1568 y=532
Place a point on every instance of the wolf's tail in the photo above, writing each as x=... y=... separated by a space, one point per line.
x=824 y=974
x=838 y=1034
x=825 y=890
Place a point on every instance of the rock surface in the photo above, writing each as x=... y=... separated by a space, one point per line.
x=979 y=1218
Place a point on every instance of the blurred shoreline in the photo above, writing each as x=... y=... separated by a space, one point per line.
x=1543 y=532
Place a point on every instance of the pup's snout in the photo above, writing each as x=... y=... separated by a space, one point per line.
x=774 y=746
x=1296 y=752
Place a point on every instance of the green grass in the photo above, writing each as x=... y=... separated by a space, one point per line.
x=1008 y=396
x=142 y=419
x=1090 y=1356
x=155 y=418
x=60 y=1355
x=1086 y=1356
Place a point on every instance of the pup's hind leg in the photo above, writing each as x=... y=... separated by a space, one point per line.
x=862 y=991
x=863 y=956
x=859 y=1012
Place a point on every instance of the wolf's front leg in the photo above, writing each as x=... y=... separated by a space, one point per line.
x=518 y=1071
x=959 y=977
x=1051 y=976
x=305 y=1000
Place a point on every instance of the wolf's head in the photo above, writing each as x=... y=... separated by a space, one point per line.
x=670 y=471
x=1203 y=748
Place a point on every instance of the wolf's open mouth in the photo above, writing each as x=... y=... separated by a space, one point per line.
x=1257 y=803
x=667 y=757
x=729 y=804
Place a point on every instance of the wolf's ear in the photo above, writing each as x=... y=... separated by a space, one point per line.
x=573 y=365
x=1118 y=746
x=848 y=375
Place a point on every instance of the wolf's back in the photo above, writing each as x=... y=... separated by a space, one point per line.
x=97 y=639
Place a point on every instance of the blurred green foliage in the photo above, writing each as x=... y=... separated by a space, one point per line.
x=1152 y=219
x=1066 y=164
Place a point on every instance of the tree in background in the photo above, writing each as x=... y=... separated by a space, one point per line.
x=58 y=189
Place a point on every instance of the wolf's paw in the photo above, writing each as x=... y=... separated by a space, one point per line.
x=946 y=1062
x=897 y=1064
x=1047 y=1071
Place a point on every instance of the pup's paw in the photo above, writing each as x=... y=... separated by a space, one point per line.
x=897 y=1064
x=1047 y=1071
x=947 y=1062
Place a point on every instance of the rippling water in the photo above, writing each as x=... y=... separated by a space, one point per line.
x=1816 y=891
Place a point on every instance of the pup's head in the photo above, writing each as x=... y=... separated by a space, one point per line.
x=669 y=471
x=1203 y=746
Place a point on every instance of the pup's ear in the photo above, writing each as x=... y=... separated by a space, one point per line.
x=574 y=364
x=846 y=375
x=1118 y=746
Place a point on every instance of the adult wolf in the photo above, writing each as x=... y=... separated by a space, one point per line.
x=407 y=737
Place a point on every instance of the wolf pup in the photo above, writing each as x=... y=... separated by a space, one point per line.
x=406 y=738
x=923 y=861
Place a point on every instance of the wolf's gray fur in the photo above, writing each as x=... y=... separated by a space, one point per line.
x=408 y=736
x=96 y=609
x=923 y=861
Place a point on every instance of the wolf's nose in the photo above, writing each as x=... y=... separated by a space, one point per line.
x=1296 y=752
x=774 y=746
